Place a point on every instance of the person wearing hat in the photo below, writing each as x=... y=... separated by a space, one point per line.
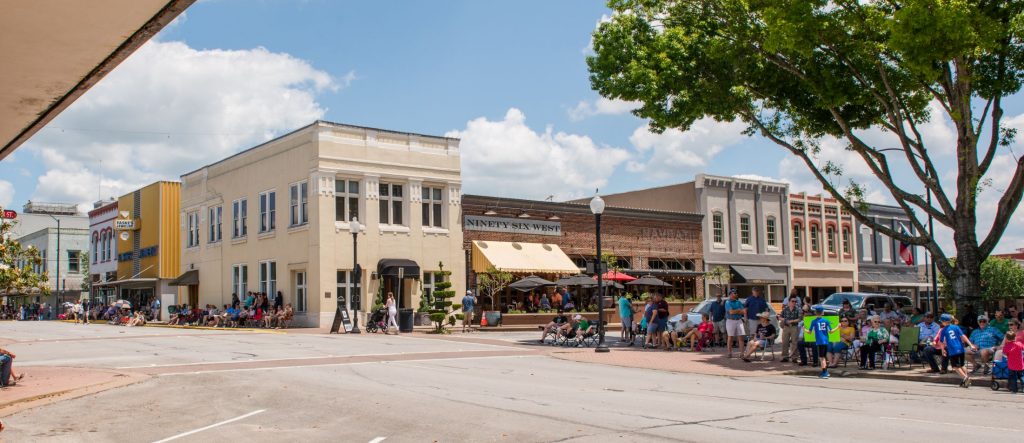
x=468 y=304
x=953 y=341
x=735 y=310
x=987 y=338
x=821 y=329
x=716 y=311
x=583 y=327
x=763 y=335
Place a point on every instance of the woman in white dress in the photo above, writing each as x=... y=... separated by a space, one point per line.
x=392 y=314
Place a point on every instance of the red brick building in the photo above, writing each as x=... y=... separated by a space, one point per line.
x=646 y=242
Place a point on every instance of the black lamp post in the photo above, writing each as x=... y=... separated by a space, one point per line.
x=597 y=207
x=357 y=271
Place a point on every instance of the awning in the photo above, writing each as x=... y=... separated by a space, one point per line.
x=389 y=267
x=186 y=279
x=532 y=258
x=890 y=278
x=130 y=283
x=759 y=275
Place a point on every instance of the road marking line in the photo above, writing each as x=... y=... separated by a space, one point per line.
x=272 y=368
x=378 y=439
x=949 y=424
x=204 y=428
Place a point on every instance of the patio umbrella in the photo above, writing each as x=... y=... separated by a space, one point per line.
x=648 y=280
x=123 y=304
x=617 y=276
x=577 y=280
x=610 y=284
x=530 y=283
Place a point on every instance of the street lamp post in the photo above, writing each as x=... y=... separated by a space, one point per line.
x=597 y=207
x=355 y=227
x=56 y=281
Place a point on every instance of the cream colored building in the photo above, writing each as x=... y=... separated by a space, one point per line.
x=277 y=217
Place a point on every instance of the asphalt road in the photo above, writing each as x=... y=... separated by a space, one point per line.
x=231 y=386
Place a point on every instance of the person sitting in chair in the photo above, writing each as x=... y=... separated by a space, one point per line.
x=706 y=328
x=583 y=328
x=554 y=325
x=674 y=333
x=763 y=336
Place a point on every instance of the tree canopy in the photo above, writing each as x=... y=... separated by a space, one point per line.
x=17 y=264
x=799 y=72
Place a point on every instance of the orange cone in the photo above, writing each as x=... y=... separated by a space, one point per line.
x=483 y=320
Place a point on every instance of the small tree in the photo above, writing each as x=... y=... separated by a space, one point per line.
x=493 y=281
x=441 y=314
x=17 y=273
x=1001 y=278
x=87 y=279
x=719 y=275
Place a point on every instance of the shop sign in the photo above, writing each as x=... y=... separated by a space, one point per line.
x=9 y=214
x=143 y=253
x=122 y=224
x=513 y=225
x=668 y=234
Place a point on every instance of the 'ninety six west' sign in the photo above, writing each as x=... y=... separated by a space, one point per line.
x=497 y=224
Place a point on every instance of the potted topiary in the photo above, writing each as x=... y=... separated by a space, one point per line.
x=441 y=312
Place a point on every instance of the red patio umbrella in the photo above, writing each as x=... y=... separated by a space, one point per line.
x=617 y=276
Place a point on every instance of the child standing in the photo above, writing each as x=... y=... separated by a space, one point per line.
x=1014 y=360
x=953 y=339
x=821 y=328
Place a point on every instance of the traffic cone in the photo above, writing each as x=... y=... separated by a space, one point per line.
x=483 y=320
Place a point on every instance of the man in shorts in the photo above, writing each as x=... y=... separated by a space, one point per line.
x=716 y=310
x=555 y=324
x=986 y=337
x=468 y=304
x=626 y=316
x=735 y=311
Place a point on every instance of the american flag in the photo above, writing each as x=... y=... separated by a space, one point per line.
x=906 y=254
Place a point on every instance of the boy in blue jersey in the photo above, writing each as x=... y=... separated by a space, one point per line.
x=821 y=328
x=953 y=341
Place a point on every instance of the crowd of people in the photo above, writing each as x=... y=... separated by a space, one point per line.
x=255 y=310
x=26 y=312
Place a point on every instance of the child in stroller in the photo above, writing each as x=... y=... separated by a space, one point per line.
x=378 y=321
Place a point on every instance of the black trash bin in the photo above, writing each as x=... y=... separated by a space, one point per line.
x=405 y=320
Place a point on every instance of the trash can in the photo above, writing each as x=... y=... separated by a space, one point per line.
x=493 y=318
x=405 y=320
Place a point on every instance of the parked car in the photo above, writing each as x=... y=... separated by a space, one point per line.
x=868 y=300
x=695 y=313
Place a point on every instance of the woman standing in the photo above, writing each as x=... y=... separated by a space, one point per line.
x=392 y=313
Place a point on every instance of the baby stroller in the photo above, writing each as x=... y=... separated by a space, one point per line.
x=378 y=321
x=1000 y=371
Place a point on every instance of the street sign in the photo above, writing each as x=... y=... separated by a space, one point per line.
x=9 y=214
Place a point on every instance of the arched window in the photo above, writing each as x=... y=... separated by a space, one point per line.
x=798 y=235
x=745 y=230
x=814 y=240
x=830 y=232
x=770 y=234
x=866 y=240
x=846 y=240
x=717 y=227
x=95 y=246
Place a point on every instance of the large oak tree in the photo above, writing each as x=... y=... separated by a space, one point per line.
x=800 y=72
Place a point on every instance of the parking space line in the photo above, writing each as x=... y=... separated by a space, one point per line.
x=950 y=424
x=378 y=439
x=204 y=428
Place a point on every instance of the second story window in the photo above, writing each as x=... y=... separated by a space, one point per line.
x=299 y=208
x=432 y=207
x=815 y=246
x=391 y=204
x=192 y=240
x=74 y=262
x=798 y=236
x=215 y=223
x=239 y=210
x=346 y=200
x=770 y=237
x=95 y=247
x=846 y=240
x=268 y=211
x=831 y=239
x=717 y=228
x=745 y=230
x=866 y=241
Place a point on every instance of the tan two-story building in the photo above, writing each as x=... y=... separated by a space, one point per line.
x=277 y=218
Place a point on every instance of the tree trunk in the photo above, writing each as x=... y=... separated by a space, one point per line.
x=967 y=275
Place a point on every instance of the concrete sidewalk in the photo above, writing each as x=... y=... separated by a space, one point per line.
x=44 y=385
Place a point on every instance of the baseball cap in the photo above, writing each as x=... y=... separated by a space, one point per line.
x=818 y=308
x=983 y=318
x=945 y=317
x=732 y=290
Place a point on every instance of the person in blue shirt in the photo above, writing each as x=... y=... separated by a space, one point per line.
x=986 y=337
x=953 y=340
x=734 y=313
x=756 y=304
x=716 y=310
x=626 y=315
x=468 y=304
x=821 y=329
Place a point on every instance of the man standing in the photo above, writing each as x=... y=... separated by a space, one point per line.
x=735 y=311
x=468 y=304
x=788 y=320
x=755 y=306
x=155 y=308
x=626 y=316
x=661 y=310
x=716 y=311
x=793 y=295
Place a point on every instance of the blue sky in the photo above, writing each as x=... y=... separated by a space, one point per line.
x=509 y=78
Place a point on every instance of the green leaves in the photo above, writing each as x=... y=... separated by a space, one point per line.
x=17 y=264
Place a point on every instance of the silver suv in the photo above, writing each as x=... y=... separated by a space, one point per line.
x=871 y=301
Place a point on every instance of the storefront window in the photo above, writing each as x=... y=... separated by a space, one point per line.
x=347 y=291
x=432 y=207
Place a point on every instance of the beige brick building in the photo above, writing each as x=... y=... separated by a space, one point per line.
x=277 y=217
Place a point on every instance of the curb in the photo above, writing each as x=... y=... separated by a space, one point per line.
x=21 y=404
x=920 y=378
x=202 y=328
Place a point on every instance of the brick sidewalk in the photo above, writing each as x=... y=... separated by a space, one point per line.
x=717 y=363
x=45 y=384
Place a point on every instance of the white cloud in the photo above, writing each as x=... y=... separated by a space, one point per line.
x=169 y=109
x=6 y=193
x=674 y=152
x=508 y=158
x=601 y=106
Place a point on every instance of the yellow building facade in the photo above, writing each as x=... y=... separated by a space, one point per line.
x=148 y=239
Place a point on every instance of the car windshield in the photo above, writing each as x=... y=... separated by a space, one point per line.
x=837 y=300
